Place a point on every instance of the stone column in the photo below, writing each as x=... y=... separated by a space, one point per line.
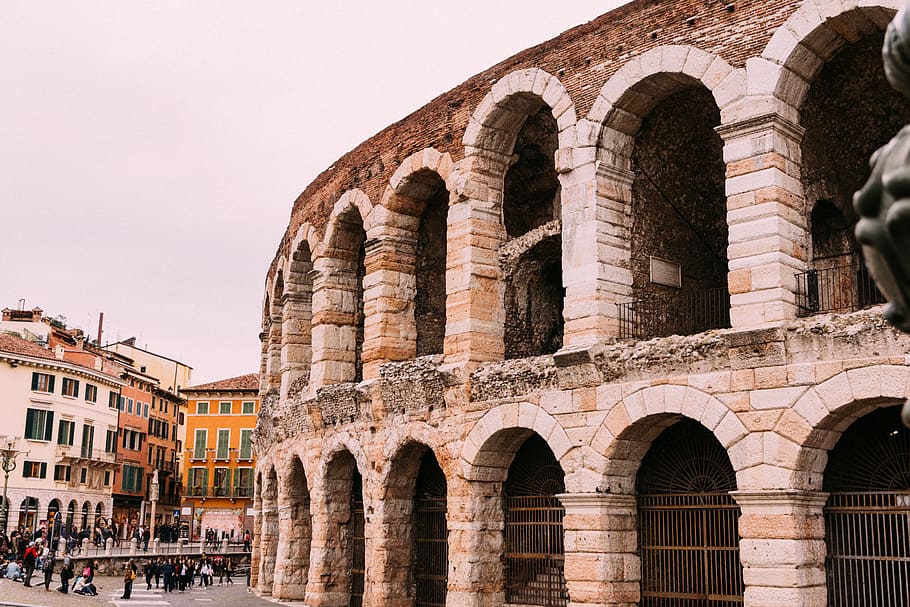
x=274 y=353
x=295 y=334
x=334 y=336
x=293 y=554
x=268 y=547
x=596 y=216
x=601 y=548
x=474 y=288
x=782 y=547
x=390 y=332
x=766 y=215
x=255 y=557
x=475 y=544
x=329 y=576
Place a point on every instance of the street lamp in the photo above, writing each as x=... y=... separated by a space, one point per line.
x=8 y=454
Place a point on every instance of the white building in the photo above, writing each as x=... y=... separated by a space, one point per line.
x=63 y=416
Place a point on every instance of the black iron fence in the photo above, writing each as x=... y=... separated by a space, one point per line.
x=680 y=314
x=837 y=289
x=534 y=564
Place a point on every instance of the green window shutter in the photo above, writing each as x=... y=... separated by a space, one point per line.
x=49 y=426
x=34 y=381
x=50 y=384
x=43 y=470
x=224 y=437
x=29 y=422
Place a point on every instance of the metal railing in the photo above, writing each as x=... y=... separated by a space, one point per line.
x=681 y=314
x=534 y=560
x=842 y=288
x=217 y=491
x=77 y=453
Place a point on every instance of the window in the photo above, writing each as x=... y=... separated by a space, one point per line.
x=199 y=443
x=246 y=443
x=146 y=410
x=107 y=478
x=221 y=481
x=129 y=405
x=91 y=393
x=61 y=473
x=224 y=408
x=110 y=441
x=243 y=482
x=70 y=387
x=197 y=481
x=66 y=430
x=121 y=403
x=180 y=419
x=202 y=408
x=222 y=448
x=88 y=440
x=83 y=475
x=249 y=407
x=34 y=469
x=39 y=424
x=42 y=382
x=132 y=479
x=112 y=399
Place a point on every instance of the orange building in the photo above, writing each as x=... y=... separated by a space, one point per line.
x=218 y=459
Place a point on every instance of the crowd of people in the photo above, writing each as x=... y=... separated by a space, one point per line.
x=27 y=554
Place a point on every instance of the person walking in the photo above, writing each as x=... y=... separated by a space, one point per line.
x=229 y=571
x=49 y=560
x=66 y=574
x=129 y=574
x=149 y=574
x=31 y=555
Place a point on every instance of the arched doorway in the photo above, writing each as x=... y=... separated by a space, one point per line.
x=535 y=557
x=867 y=517
x=70 y=517
x=688 y=535
x=28 y=513
x=430 y=534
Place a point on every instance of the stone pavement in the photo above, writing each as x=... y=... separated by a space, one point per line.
x=110 y=589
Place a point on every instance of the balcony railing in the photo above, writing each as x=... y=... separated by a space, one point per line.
x=69 y=452
x=195 y=491
x=218 y=491
x=164 y=466
x=842 y=288
x=682 y=314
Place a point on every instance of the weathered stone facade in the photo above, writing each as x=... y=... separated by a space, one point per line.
x=416 y=376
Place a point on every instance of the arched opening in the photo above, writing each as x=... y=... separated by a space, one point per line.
x=867 y=516
x=843 y=129
x=53 y=507
x=430 y=298
x=535 y=557
x=296 y=354
x=531 y=260
x=688 y=534
x=295 y=535
x=275 y=332
x=344 y=566
x=533 y=301
x=357 y=547
x=86 y=510
x=678 y=228
x=99 y=515
x=430 y=552
x=28 y=513
x=70 y=515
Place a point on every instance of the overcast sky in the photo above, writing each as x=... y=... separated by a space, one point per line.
x=150 y=151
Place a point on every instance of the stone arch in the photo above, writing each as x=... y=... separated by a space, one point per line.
x=634 y=422
x=491 y=444
x=633 y=91
x=807 y=39
x=275 y=313
x=410 y=264
x=297 y=316
x=338 y=296
x=295 y=531
x=816 y=421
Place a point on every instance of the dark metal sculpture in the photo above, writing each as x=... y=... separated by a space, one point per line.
x=883 y=203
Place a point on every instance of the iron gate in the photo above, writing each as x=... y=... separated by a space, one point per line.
x=534 y=560
x=688 y=522
x=867 y=516
x=689 y=550
x=431 y=565
x=357 y=546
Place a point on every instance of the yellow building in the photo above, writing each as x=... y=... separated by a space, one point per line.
x=218 y=456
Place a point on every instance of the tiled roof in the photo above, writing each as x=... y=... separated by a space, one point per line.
x=14 y=344
x=242 y=383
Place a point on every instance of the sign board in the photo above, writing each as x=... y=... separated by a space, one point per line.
x=186 y=510
x=666 y=273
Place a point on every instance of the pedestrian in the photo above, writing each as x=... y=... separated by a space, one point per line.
x=29 y=559
x=66 y=574
x=149 y=574
x=247 y=541
x=49 y=560
x=229 y=571
x=129 y=574
x=157 y=571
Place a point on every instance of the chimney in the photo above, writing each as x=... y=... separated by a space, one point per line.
x=100 y=326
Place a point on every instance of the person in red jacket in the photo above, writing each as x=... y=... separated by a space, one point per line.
x=31 y=555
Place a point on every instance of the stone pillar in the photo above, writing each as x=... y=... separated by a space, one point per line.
x=295 y=334
x=329 y=577
x=255 y=557
x=334 y=336
x=766 y=216
x=274 y=352
x=474 y=286
x=782 y=547
x=292 y=560
x=596 y=216
x=390 y=332
x=391 y=548
x=268 y=542
x=109 y=546
x=475 y=544
x=601 y=545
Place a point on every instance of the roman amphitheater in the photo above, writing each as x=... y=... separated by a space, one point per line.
x=592 y=329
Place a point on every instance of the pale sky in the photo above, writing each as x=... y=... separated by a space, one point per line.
x=150 y=151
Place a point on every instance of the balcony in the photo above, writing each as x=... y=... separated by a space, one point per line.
x=86 y=456
x=681 y=314
x=844 y=288
x=164 y=467
x=195 y=491
x=200 y=455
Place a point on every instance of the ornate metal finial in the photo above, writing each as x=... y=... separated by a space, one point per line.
x=883 y=203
